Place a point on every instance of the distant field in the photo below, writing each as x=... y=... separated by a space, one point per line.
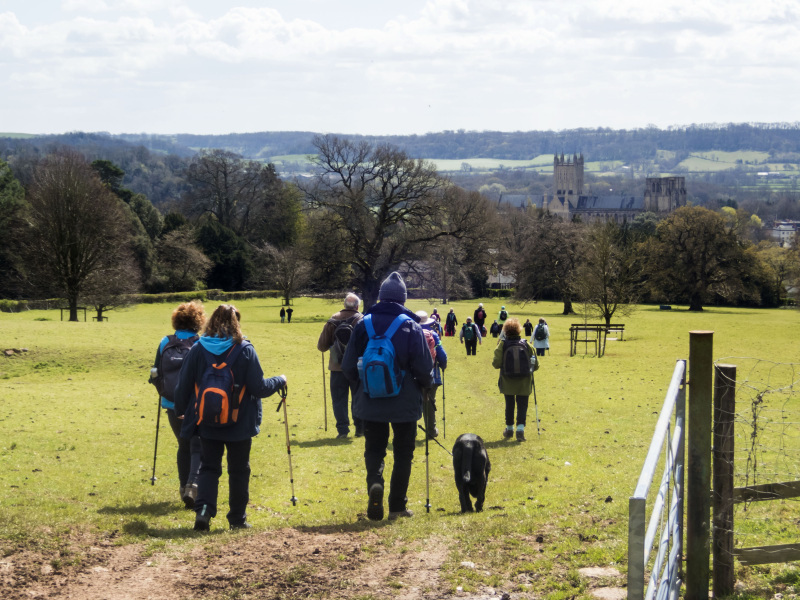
x=722 y=161
x=16 y=135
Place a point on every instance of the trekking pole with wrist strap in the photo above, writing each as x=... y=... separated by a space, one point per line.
x=284 y=392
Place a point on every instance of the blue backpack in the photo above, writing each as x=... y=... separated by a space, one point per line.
x=378 y=368
x=218 y=396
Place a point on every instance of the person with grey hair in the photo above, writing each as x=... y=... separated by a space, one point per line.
x=334 y=337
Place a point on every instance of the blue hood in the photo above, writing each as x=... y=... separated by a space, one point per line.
x=216 y=345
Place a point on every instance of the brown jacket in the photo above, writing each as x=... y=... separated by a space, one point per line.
x=326 y=337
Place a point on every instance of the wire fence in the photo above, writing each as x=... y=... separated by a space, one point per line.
x=766 y=448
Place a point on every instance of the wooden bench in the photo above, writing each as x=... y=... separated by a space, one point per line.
x=586 y=334
x=104 y=318
x=619 y=328
x=79 y=308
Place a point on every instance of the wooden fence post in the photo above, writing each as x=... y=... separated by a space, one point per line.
x=724 y=413
x=698 y=488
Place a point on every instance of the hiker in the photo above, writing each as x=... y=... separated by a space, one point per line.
x=495 y=329
x=334 y=337
x=399 y=329
x=438 y=318
x=187 y=320
x=470 y=336
x=517 y=362
x=480 y=317
x=222 y=342
x=450 y=323
x=289 y=312
x=429 y=327
x=541 y=337
x=502 y=316
x=528 y=327
x=283 y=315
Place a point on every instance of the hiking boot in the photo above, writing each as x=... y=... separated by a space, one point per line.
x=202 y=520
x=375 y=506
x=508 y=433
x=341 y=436
x=396 y=514
x=359 y=432
x=189 y=495
x=520 y=435
x=242 y=525
x=433 y=433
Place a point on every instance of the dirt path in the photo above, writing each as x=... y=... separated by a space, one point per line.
x=281 y=564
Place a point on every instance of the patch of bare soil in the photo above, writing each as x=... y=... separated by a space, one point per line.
x=280 y=564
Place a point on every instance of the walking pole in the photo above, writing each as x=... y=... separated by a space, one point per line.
x=283 y=393
x=535 y=404
x=427 y=476
x=324 y=393
x=444 y=409
x=155 y=451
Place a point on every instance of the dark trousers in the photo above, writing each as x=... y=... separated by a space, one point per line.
x=472 y=346
x=340 y=389
x=238 y=478
x=376 y=440
x=540 y=351
x=189 y=451
x=429 y=408
x=521 y=403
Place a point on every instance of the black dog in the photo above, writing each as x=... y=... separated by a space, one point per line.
x=471 y=465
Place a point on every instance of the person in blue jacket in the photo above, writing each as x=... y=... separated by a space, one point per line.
x=439 y=365
x=221 y=336
x=187 y=321
x=400 y=412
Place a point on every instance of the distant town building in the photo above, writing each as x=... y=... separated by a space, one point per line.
x=662 y=195
x=784 y=232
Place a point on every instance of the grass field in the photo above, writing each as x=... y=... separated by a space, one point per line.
x=77 y=425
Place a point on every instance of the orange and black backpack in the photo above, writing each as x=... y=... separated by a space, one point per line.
x=218 y=396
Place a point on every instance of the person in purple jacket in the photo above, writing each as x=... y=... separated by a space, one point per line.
x=223 y=338
x=400 y=412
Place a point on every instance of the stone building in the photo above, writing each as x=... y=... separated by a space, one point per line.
x=662 y=195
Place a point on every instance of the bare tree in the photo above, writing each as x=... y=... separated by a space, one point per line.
x=113 y=286
x=386 y=206
x=78 y=228
x=286 y=269
x=609 y=277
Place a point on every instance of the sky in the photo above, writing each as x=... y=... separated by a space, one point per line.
x=387 y=67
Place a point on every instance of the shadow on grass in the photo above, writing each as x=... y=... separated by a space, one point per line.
x=149 y=508
x=359 y=526
x=140 y=528
x=324 y=442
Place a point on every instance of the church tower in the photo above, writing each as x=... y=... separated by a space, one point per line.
x=568 y=176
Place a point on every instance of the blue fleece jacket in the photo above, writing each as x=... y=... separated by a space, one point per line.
x=247 y=369
x=412 y=356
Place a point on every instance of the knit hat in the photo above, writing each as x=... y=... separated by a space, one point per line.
x=393 y=289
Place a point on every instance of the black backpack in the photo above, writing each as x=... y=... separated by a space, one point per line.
x=218 y=397
x=172 y=357
x=503 y=315
x=539 y=334
x=516 y=362
x=343 y=332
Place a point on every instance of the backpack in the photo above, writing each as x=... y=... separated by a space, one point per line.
x=342 y=333
x=469 y=332
x=539 y=334
x=481 y=314
x=503 y=315
x=172 y=357
x=516 y=362
x=218 y=396
x=431 y=343
x=378 y=368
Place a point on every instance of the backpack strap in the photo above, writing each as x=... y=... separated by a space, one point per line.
x=398 y=321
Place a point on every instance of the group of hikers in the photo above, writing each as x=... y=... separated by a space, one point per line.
x=389 y=360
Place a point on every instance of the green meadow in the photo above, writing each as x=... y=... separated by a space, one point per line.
x=78 y=423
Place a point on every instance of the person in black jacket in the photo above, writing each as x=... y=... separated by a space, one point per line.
x=400 y=412
x=221 y=337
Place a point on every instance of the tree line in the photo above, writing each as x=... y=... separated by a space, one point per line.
x=72 y=229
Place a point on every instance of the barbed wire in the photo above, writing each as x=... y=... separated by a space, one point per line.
x=766 y=446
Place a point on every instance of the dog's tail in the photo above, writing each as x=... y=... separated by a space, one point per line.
x=466 y=463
